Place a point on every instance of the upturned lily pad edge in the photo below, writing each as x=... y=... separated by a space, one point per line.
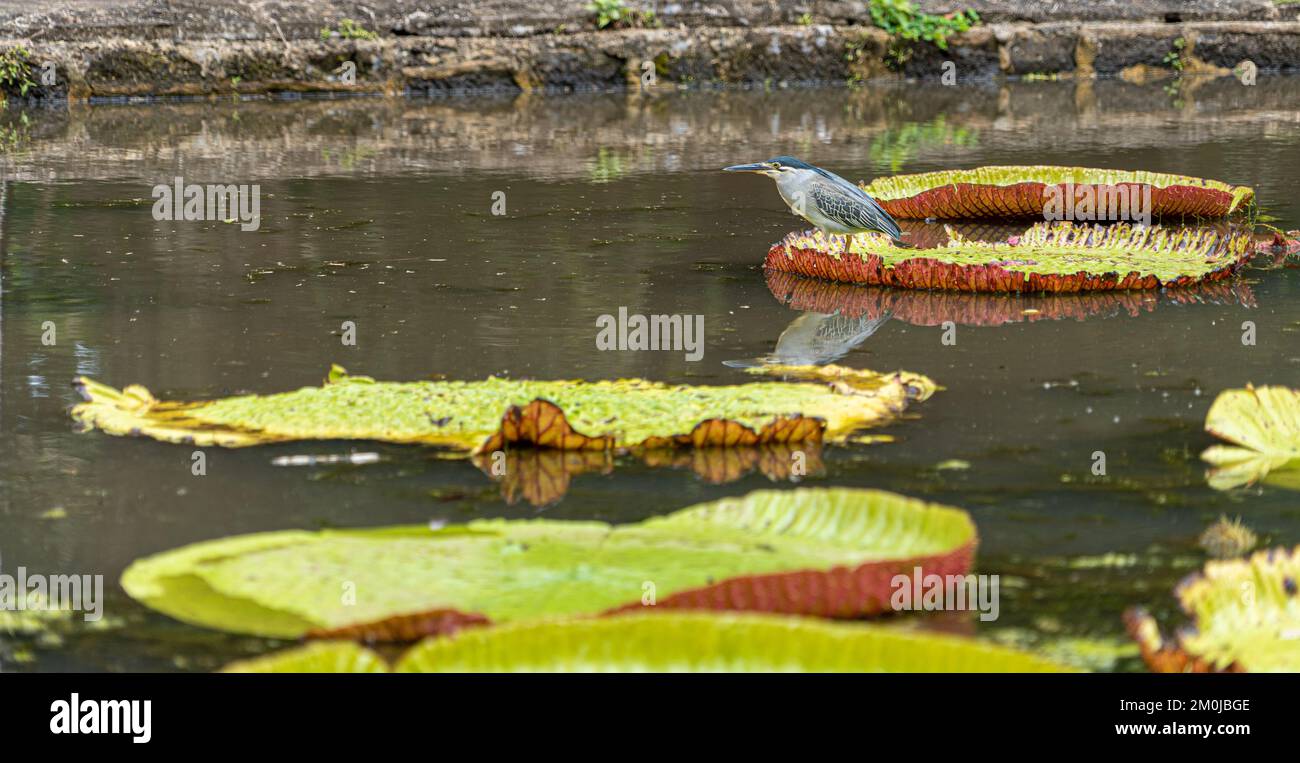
x=1260 y=438
x=1020 y=191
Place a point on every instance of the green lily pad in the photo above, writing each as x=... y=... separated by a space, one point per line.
x=489 y=415
x=825 y=552
x=1011 y=192
x=1245 y=618
x=1048 y=257
x=676 y=642
x=317 y=657
x=1263 y=425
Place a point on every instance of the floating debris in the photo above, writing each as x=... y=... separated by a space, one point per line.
x=328 y=458
x=1227 y=539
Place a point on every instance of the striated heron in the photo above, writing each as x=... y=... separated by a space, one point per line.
x=824 y=199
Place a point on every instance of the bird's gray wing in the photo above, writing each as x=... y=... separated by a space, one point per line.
x=838 y=334
x=851 y=332
x=849 y=205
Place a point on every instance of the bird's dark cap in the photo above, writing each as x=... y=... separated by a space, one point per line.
x=790 y=161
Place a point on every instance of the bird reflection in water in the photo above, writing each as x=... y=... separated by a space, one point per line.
x=815 y=339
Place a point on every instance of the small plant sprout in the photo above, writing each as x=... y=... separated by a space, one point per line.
x=1174 y=58
x=608 y=12
x=908 y=25
x=348 y=30
x=16 y=71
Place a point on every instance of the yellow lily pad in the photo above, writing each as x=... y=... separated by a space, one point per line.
x=492 y=414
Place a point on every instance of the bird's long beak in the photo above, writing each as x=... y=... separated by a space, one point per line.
x=757 y=167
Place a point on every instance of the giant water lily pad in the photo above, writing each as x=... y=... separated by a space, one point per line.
x=489 y=415
x=1263 y=425
x=1245 y=618
x=1030 y=191
x=819 y=552
x=316 y=657
x=1056 y=257
x=929 y=234
x=670 y=642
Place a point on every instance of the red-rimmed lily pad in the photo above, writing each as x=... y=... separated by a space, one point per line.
x=823 y=552
x=1050 y=257
x=1025 y=192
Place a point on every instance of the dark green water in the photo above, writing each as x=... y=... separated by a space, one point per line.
x=380 y=213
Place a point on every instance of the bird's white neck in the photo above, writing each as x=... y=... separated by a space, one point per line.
x=791 y=184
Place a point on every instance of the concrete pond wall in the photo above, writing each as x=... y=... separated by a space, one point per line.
x=101 y=49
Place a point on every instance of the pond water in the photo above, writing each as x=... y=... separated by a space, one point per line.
x=380 y=213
